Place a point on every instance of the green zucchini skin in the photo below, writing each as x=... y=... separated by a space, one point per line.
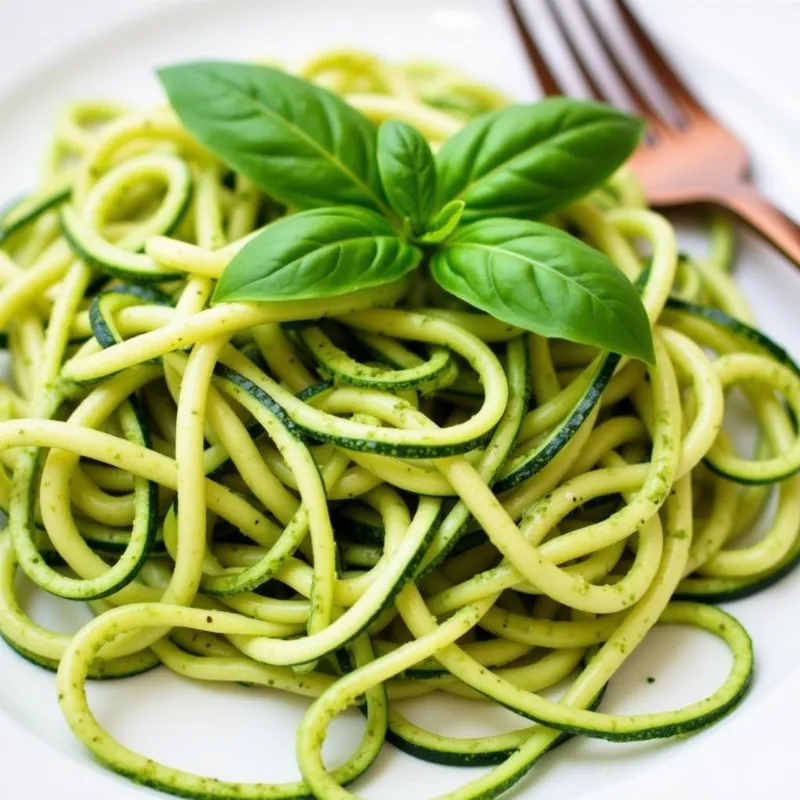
x=741 y=329
x=7 y=209
x=357 y=524
x=411 y=451
x=666 y=730
x=315 y=390
x=104 y=304
x=256 y=430
x=743 y=478
x=347 y=443
x=451 y=757
x=241 y=385
x=761 y=341
x=133 y=267
x=150 y=509
x=113 y=545
x=293 y=534
x=541 y=456
x=101 y=671
x=76 y=236
x=656 y=732
x=28 y=209
x=336 y=363
x=146 y=520
x=727 y=590
x=110 y=542
x=49 y=664
x=456 y=523
x=257 y=393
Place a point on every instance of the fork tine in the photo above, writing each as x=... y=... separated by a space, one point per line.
x=546 y=77
x=681 y=94
x=574 y=51
x=642 y=103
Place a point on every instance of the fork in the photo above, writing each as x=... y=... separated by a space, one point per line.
x=686 y=156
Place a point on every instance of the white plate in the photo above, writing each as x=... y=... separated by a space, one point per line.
x=55 y=50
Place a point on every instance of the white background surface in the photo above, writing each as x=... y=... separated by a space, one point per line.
x=744 y=58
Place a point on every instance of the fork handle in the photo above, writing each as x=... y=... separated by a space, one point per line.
x=760 y=214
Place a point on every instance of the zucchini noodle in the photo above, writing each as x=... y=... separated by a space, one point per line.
x=374 y=496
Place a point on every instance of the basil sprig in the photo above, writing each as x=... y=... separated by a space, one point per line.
x=538 y=277
x=318 y=253
x=372 y=202
x=408 y=172
x=444 y=223
x=301 y=144
x=527 y=161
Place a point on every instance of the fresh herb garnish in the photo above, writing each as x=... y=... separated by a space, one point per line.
x=318 y=253
x=444 y=223
x=301 y=144
x=538 y=277
x=408 y=173
x=527 y=161
x=372 y=201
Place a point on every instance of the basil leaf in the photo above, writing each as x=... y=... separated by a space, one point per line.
x=526 y=161
x=317 y=253
x=298 y=142
x=542 y=279
x=408 y=171
x=444 y=223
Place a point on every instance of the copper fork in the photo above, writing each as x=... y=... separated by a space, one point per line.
x=686 y=157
